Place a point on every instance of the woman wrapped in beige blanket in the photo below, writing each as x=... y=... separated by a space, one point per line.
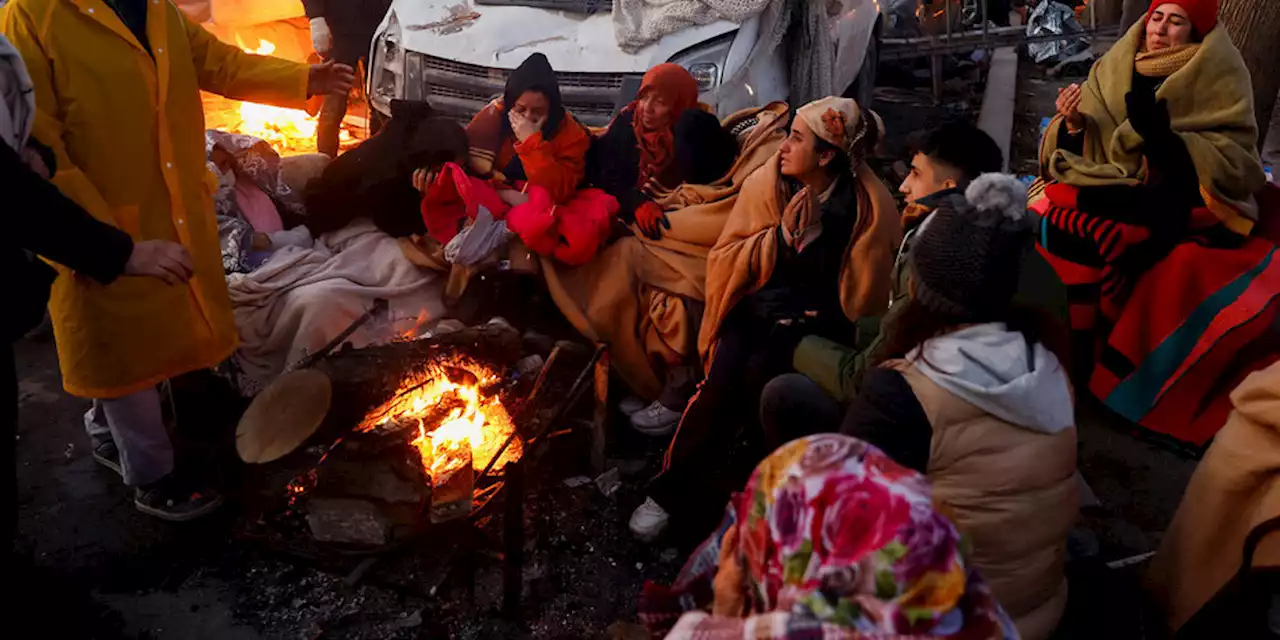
x=641 y=295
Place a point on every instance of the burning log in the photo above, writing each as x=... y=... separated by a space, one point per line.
x=339 y=392
x=452 y=483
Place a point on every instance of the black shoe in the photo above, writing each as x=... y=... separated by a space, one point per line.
x=170 y=500
x=108 y=455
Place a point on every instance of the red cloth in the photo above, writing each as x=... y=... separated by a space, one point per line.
x=571 y=233
x=679 y=90
x=1203 y=13
x=454 y=198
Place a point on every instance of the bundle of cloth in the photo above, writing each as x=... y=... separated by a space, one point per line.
x=253 y=201
x=829 y=539
x=1146 y=215
x=301 y=299
x=636 y=293
x=570 y=233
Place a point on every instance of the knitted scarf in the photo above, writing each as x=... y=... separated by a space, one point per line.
x=1163 y=63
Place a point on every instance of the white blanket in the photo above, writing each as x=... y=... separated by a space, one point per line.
x=637 y=23
x=302 y=298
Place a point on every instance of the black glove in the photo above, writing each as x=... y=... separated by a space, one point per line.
x=1150 y=118
x=1146 y=205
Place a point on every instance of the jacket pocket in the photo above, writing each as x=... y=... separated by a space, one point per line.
x=129 y=220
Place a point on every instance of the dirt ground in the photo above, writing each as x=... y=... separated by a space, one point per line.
x=93 y=567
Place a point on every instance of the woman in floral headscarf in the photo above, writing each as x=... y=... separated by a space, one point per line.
x=830 y=539
x=808 y=249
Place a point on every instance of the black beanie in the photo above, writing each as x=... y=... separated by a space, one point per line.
x=965 y=264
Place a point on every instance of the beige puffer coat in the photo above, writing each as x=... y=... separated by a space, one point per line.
x=1011 y=490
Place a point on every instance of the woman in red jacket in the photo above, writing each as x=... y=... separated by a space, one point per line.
x=528 y=135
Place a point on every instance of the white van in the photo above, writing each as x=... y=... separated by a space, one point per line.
x=457 y=54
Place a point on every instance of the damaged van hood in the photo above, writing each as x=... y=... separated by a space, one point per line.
x=503 y=36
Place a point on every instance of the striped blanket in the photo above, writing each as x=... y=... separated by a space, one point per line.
x=1172 y=338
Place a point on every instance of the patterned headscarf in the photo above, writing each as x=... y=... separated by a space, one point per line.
x=840 y=122
x=830 y=539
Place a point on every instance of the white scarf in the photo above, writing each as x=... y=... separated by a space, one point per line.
x=18 y=108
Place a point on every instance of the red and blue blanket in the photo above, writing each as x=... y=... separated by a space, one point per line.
x=1172 y=339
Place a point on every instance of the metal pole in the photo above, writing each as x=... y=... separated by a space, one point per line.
x=947 y=8
x=985 y=21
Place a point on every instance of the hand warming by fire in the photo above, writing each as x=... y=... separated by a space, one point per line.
x=288 y=131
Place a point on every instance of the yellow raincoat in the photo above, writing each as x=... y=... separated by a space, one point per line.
x=128 y=130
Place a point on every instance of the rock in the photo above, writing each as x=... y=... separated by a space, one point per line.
x=447 y=326
x=534 y=342
x=347 y=521
x=411 y=621
x=387 y=478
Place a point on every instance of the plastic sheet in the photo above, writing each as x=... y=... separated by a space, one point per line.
x=1055 y=18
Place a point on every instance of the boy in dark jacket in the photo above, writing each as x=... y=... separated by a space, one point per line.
x=950 y=158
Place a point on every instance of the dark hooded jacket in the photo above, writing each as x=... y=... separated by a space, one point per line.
x=704 y=152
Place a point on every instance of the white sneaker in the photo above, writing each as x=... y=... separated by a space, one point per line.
x=632 y=405
x=648 y=521
x=656 y=420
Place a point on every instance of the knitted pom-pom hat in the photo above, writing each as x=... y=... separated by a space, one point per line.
x=965 y=263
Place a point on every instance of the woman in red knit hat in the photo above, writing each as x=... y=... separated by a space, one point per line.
x=1149 y=174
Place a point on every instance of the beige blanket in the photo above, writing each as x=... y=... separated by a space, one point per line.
x=1210 y=104
x=1235 y=488
x=632 y=294
x=302 y=298
x=744 y=256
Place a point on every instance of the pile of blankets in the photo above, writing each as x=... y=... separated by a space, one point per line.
x=639 y=23
x=301 y=299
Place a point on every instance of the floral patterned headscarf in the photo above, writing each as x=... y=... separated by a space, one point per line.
x=844 y=124
x=830 y=539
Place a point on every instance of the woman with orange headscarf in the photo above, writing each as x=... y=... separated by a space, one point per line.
x=636 y=158
x=661 y=140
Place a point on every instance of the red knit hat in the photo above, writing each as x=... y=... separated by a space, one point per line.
x=1203 y=13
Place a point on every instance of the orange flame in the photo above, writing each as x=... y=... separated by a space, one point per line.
x=478 y=423
x=288 y=131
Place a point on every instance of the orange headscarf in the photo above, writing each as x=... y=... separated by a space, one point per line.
x=657 y=146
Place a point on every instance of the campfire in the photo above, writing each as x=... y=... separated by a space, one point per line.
x=288 y=131
x=459 y=422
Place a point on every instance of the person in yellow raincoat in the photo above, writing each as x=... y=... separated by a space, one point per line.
x=117 y=87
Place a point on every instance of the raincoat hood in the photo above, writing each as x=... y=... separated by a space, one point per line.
x=1002 y=373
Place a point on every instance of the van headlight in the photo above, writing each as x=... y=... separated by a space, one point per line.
x=706 y=62
x=395 y=74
